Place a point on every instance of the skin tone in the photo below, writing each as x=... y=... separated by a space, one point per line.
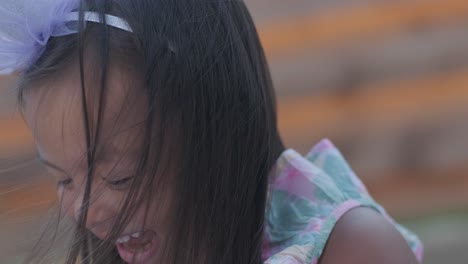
x=364 y=236
x=53 y=112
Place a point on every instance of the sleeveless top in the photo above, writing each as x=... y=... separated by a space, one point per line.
x=306 y=197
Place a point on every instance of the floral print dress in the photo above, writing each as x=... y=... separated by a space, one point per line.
x=306 y=197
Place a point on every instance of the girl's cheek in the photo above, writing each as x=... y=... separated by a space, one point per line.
x=66 y=204
x=61 y=193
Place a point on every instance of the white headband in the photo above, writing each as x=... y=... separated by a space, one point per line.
x=27 y=25
x=111 y=20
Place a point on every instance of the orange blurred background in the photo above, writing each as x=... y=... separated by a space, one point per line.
x=386 y=81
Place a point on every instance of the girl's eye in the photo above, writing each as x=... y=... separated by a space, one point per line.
x=64 y=183
x=121 y=183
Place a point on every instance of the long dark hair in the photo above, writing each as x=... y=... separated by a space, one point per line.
x=208 y=84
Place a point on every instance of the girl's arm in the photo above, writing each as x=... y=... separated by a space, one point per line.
x=363 y=236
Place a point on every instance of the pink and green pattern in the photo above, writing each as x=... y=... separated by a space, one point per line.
x=306 y=198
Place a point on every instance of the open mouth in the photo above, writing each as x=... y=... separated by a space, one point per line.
x=139 y=247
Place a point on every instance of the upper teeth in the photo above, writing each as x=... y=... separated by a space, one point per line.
x=136 y=235
x=123 y=239
x=126 y=238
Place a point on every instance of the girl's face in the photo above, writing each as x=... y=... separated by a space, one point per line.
x=54 y=113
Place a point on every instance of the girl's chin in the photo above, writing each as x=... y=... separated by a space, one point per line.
x=139 y=247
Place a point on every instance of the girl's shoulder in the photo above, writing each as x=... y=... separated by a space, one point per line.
x=306 y=198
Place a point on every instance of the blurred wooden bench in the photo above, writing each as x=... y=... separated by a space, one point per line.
x=344 y=25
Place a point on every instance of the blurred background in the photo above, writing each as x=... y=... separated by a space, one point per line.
x=385 y=80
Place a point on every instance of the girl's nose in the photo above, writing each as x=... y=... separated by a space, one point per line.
x=97 y=218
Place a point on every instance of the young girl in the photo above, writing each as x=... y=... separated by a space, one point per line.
x=158 y=120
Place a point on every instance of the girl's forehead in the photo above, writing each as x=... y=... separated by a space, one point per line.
x=123 y=96
x=54 y=111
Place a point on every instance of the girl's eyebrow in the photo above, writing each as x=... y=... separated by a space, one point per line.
x=109 y=152
x=105 y=156
x=50 y=164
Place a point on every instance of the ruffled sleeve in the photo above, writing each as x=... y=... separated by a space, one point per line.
x=307 y=196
